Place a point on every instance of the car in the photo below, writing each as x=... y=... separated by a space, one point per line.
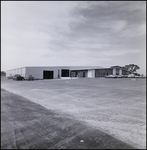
x=137 y=76
x=119 y=76
x=10 y=77
x=131 y=76
x=29 y=78
x=18 y=77
x=110 y=76
x=125 y=76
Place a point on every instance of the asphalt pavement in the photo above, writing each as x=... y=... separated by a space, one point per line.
x=27 y=125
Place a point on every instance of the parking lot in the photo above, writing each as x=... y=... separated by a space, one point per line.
x=27 y=125
x=115 y=106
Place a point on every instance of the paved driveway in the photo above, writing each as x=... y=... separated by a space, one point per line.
x=114 y=106
x=26 y=125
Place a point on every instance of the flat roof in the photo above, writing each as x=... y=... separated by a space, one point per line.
x=64 y=67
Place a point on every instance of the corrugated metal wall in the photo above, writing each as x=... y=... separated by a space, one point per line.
x=21 y=71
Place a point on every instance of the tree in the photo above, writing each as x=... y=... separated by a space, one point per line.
x=131 y=68
x=3 y=73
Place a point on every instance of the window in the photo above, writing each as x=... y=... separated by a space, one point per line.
x=117 y=71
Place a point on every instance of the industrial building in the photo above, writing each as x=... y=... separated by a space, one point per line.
x=67 y=71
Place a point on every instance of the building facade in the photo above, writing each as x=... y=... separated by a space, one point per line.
x=67 y=71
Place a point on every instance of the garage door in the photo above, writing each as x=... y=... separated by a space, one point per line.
x=48 y=74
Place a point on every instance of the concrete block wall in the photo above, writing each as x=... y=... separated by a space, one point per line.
x=37 y=72
x=12 y=72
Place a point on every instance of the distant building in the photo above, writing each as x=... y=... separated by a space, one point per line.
x=67 y=71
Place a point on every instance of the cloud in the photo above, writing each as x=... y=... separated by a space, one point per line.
x=90 y=32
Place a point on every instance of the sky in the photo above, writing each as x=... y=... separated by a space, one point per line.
x=73 y=33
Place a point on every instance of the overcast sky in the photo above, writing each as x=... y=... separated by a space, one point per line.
x=90 y=33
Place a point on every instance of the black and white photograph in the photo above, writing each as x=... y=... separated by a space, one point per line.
x=73 y=74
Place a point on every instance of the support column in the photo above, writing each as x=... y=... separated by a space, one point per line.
x=114 y=71
x=120 y=71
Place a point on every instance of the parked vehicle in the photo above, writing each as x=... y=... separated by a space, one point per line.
x=18 y=77
x=125 y=76
x=110 y=76
x=10 y=77
x=137 y=76
x=119 y=76
x=29 y=78
x=131 y=76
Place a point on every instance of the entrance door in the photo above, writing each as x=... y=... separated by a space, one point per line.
x=48 y=74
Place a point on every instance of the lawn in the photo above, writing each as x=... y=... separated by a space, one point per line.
x=115 y=106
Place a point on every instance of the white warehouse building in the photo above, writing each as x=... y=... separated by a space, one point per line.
x=53 y=72
x=66 y=71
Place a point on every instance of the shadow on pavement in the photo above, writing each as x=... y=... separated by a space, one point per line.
x=25 y=124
